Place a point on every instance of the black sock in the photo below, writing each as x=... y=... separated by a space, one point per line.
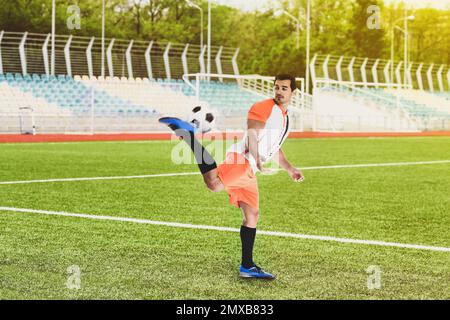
x=204 y=160
x=247 y=239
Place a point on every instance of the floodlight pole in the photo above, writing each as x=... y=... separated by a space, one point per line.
x=103 y=38
x=297 y=26
x=405 y=49
x=392 y=53
x=53 y=37
x=201 y=27
x=209 y=39
x=190 y=3
x=308 y=31
x=405 y=53
x=308 y=37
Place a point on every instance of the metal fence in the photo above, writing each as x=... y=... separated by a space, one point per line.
x=422 y=76
x=29 y=53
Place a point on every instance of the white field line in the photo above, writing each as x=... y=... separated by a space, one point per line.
x=216 y=228
x=196 y=173
x=102 y=178
x=367 y=165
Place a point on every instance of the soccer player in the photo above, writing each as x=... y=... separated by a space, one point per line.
x=267 y=129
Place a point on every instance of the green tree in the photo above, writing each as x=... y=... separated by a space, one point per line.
x=366 y=31
x=267 y=41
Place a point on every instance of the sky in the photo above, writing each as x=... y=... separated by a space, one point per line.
x=250 y=5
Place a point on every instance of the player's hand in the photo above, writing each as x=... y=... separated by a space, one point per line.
x=296 y=175
x=259 y=165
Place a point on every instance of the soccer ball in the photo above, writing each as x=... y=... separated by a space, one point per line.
x=201 y=119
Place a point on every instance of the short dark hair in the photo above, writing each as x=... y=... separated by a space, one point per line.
x=285 y=76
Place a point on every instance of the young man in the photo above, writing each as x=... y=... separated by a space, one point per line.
x=268 y=127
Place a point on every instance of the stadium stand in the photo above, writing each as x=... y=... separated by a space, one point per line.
x=436 y=103
x=62 y=104
x=343 y=109
x=226 y=98
x=161 y=99
x=16 y=92
x=420 y=101
x=414 y=103
x=145 y=81
x=126 y=96
x=63 y=93
x=119 y=97
x=445 y=95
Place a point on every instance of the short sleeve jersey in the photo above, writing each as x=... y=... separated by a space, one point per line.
x=272 y=136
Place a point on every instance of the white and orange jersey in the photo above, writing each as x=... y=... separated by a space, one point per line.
x=271 y=137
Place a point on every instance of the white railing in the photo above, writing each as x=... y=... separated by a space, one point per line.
x=264 y=86
x=419 y=75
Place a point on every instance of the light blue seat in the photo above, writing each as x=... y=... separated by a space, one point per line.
x=67 y=93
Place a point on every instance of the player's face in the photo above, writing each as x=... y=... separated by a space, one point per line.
x=283 y=92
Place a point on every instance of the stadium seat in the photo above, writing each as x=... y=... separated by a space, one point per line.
x=64 y=92
x=417 y=104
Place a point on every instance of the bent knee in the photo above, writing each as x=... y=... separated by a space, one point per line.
x=255 y=214
x=252 y=214
x=251 y=220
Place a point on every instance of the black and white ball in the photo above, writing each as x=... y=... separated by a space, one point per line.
x=202 y=119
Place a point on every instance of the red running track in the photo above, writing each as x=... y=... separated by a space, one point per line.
x=13 y=138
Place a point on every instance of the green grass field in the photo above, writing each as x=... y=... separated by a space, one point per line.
x=126 y=260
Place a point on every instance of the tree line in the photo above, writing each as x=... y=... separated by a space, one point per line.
x=267 y=39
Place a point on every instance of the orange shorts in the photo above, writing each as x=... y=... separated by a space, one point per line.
x=239 y=180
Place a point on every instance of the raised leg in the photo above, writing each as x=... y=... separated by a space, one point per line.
x=212 y=181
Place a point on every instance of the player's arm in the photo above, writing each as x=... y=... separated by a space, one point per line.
x=254 y=127
x=281 y=160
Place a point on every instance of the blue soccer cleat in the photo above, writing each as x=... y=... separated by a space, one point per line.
x=178 y=124
x=255 y=272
